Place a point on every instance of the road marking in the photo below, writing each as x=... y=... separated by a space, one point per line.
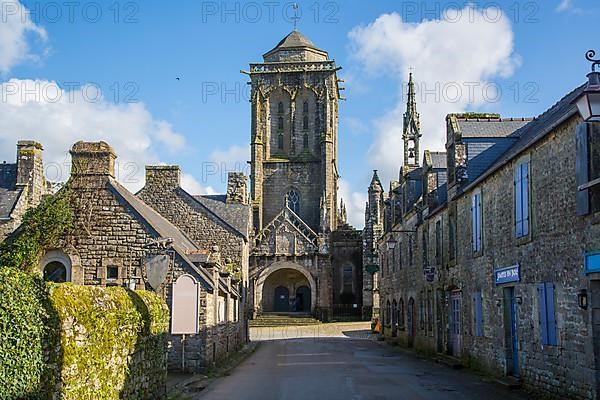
x=303 y=354
x=312 y=363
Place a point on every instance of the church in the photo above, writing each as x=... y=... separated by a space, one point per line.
x=306 y=257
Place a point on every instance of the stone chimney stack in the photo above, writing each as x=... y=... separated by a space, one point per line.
x=30 y=170
x=163 y=176
x=92 y=159
x=237 y=188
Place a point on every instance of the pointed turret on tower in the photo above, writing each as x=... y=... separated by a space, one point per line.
x=412 y=127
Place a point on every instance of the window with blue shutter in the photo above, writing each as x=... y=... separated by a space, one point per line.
x=522 y=200
x=477 y=314
x=476 y=222
x=547 y=314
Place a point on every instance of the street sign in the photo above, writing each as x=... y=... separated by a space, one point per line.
x=508 y=274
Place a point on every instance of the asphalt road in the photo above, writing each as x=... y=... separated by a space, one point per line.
x=349 y=368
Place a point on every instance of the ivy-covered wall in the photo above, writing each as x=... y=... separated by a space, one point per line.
x=80 y=342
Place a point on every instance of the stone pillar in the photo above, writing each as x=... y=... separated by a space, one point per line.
x=163 y=177
x=92 y=158
x=237 y=188
x=30 y=170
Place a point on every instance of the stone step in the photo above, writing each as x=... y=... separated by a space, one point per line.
x=449 y=361
x=509 y=382
x=275 y=320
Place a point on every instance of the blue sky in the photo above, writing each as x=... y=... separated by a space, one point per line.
x=533 y=51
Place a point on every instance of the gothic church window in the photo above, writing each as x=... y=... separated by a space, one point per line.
x=280 y=108
x=305 y=141
x=280 y=141
x=305 y=107
x=293 y=201
x=280 y=123
x=305 y=122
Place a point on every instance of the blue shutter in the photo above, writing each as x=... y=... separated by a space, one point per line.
x=525 y=197
x=479 y=222
x=542 y=313
x=474 y=223
x=551 y=313
x=518 y=203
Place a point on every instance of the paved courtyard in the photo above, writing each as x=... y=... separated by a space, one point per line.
x=342 y=361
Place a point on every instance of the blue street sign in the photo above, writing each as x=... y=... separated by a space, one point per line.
x=508 y=274
x=591 y=262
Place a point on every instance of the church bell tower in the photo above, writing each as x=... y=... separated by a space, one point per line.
x=294 y=131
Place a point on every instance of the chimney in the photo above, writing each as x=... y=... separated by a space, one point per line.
x=30 y=170
x=237 y=188
x=163 y=176
x=93 y=159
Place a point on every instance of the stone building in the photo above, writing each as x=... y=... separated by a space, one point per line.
x=119 y=240
x=504 y=272
x=22 y=185
x=295 y=264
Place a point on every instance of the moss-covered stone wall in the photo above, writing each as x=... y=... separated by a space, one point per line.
x=80 y=342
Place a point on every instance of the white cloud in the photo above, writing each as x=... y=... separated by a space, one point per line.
x=192 y=186
x=456 y=57
x=568 y=6
x=15 y=29
x=42 y=111
x=355 y=204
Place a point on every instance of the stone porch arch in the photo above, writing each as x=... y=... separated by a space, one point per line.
x=280 y=265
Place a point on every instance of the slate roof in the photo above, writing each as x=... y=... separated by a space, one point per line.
x=9 y=194
x=535 y=130
x=438 y=159
x=235 y=215
x=295 y=39
x=490 y=127
x=182 y=244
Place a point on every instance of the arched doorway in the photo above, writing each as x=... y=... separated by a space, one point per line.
x=56 y=266
x=281 y=301
x=302 y=299
x=301 y=288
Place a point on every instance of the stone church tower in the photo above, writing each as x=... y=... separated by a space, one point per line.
x=294 y=181
x=412 y=127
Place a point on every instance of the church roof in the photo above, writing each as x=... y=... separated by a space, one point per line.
x=295 y=39
x=375 y=182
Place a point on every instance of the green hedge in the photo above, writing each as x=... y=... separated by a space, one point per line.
x=80 y=342
x=28 y=326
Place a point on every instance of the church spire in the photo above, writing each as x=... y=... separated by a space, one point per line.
x=412 y=127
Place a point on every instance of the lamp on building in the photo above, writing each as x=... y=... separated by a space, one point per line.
x=582 y=299
x=588 y=103
x=391 y=243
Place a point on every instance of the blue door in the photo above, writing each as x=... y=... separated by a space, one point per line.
x=281 y=301
x=511 y=332
x=514 y=333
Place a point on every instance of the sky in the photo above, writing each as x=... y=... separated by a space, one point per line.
x=161 y=81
